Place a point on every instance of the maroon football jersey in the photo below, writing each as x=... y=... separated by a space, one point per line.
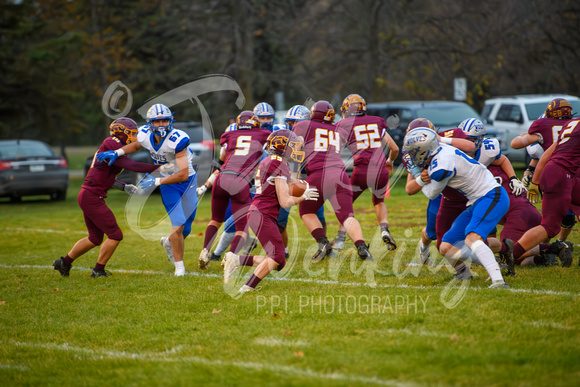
x=363 y=135
x=322 y=145
x=504 y=180
x=243 y=150
x=548 y=128
x=101 y=176
x=266 y=200
x=567 y=152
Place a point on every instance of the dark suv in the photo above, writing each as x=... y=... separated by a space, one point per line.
x=201 y=144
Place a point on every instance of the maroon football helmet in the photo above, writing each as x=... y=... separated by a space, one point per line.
x=247 y=120
x=322 y=111
x=420 y=123
x=285 y=143
x=125 y=129
x=559 y=108
x=353 y=105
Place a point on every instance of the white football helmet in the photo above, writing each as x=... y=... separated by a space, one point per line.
x=263 y=111
x=297 y=113
x=420 y=144
x=160 y=112
x=474 y=129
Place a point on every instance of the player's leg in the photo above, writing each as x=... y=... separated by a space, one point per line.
x=219 y=204
x=240 y=205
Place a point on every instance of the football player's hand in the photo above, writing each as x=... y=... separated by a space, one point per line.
x=526 y=180
x=201 y=190
x=425 y=176
x=389 y=167
x=130 y=189
x=516 y=186
x=310 y=194
x=108 y=155
x=534 y=193
x=148 y=182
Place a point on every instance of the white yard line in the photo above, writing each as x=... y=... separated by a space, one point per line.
x=547 y=324
x=309 y=280
x=173 y=357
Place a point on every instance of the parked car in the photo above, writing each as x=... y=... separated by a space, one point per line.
x=443 y=114
x=515 y=114
x=31 y=167
x=201 y=144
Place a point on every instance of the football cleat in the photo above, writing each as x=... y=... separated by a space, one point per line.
x=364 y=253
x=463 y=276
x=232 y=263
x=508 y=257
x=214 y=257
x=100 y=273
x=203 y=260
x=324 y=250
x=179 y=271
x=338 y=242
x=425 y=256
x=499 y=285
x=564 y=251
x=61 y=268
x=388 y=239
x=246 y=289
x=166 y=243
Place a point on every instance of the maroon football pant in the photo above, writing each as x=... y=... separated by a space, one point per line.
x=98 y=217
x=235 y=188
x=374 y=178
x=449 y=210
x=561 y=189
x=266 y=229
x=519 y=220
x=333 y=185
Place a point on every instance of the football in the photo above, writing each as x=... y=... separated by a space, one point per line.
x=297 y=187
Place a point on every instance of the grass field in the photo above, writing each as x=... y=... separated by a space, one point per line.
x=339 y=322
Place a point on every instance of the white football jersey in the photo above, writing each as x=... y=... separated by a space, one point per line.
x=489 y=151
x=451 y=167
x=164 y=152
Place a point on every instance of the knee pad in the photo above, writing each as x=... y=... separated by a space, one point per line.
x=95 y=240
x=281 y=260
x=569 y=221
x=117 y=235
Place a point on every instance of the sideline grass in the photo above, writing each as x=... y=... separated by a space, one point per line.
x=320 y=324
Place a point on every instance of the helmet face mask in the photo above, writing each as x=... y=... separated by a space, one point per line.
x=125 y=129
x=160 y=112
x=285 y=143
x=559 y=108
x=353 y=105
x=265 y=113
x=474 y=130
x=419 y=145
x=322 y=111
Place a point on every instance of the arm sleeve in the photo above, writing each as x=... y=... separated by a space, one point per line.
x=433 y=189
x=135 y=166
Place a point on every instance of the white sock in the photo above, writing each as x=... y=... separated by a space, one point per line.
x=286 y=250
x=179 y=265
x=487 y=260
x=422 y=246
x=225 y=242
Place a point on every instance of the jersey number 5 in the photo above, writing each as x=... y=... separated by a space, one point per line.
x=243 y=146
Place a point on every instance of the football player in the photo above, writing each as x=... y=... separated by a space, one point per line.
x=556 y=174
x=168 y=147
x=365 y=137
x=265 y=113
x=443 y=165
x=325 y=169
x=272 y=193
x=99 y=219
x=542 y=133
x=243 y=150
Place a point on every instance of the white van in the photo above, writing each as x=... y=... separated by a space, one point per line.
x=515 y=114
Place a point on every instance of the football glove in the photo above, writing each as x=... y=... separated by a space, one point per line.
x=201 y=190
x=526 y=180
x=167 y=169
x=310 y=194
x=108 y=155
x=534 y=193
x=130 y=189
x=516 y=186
x=149 y=182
